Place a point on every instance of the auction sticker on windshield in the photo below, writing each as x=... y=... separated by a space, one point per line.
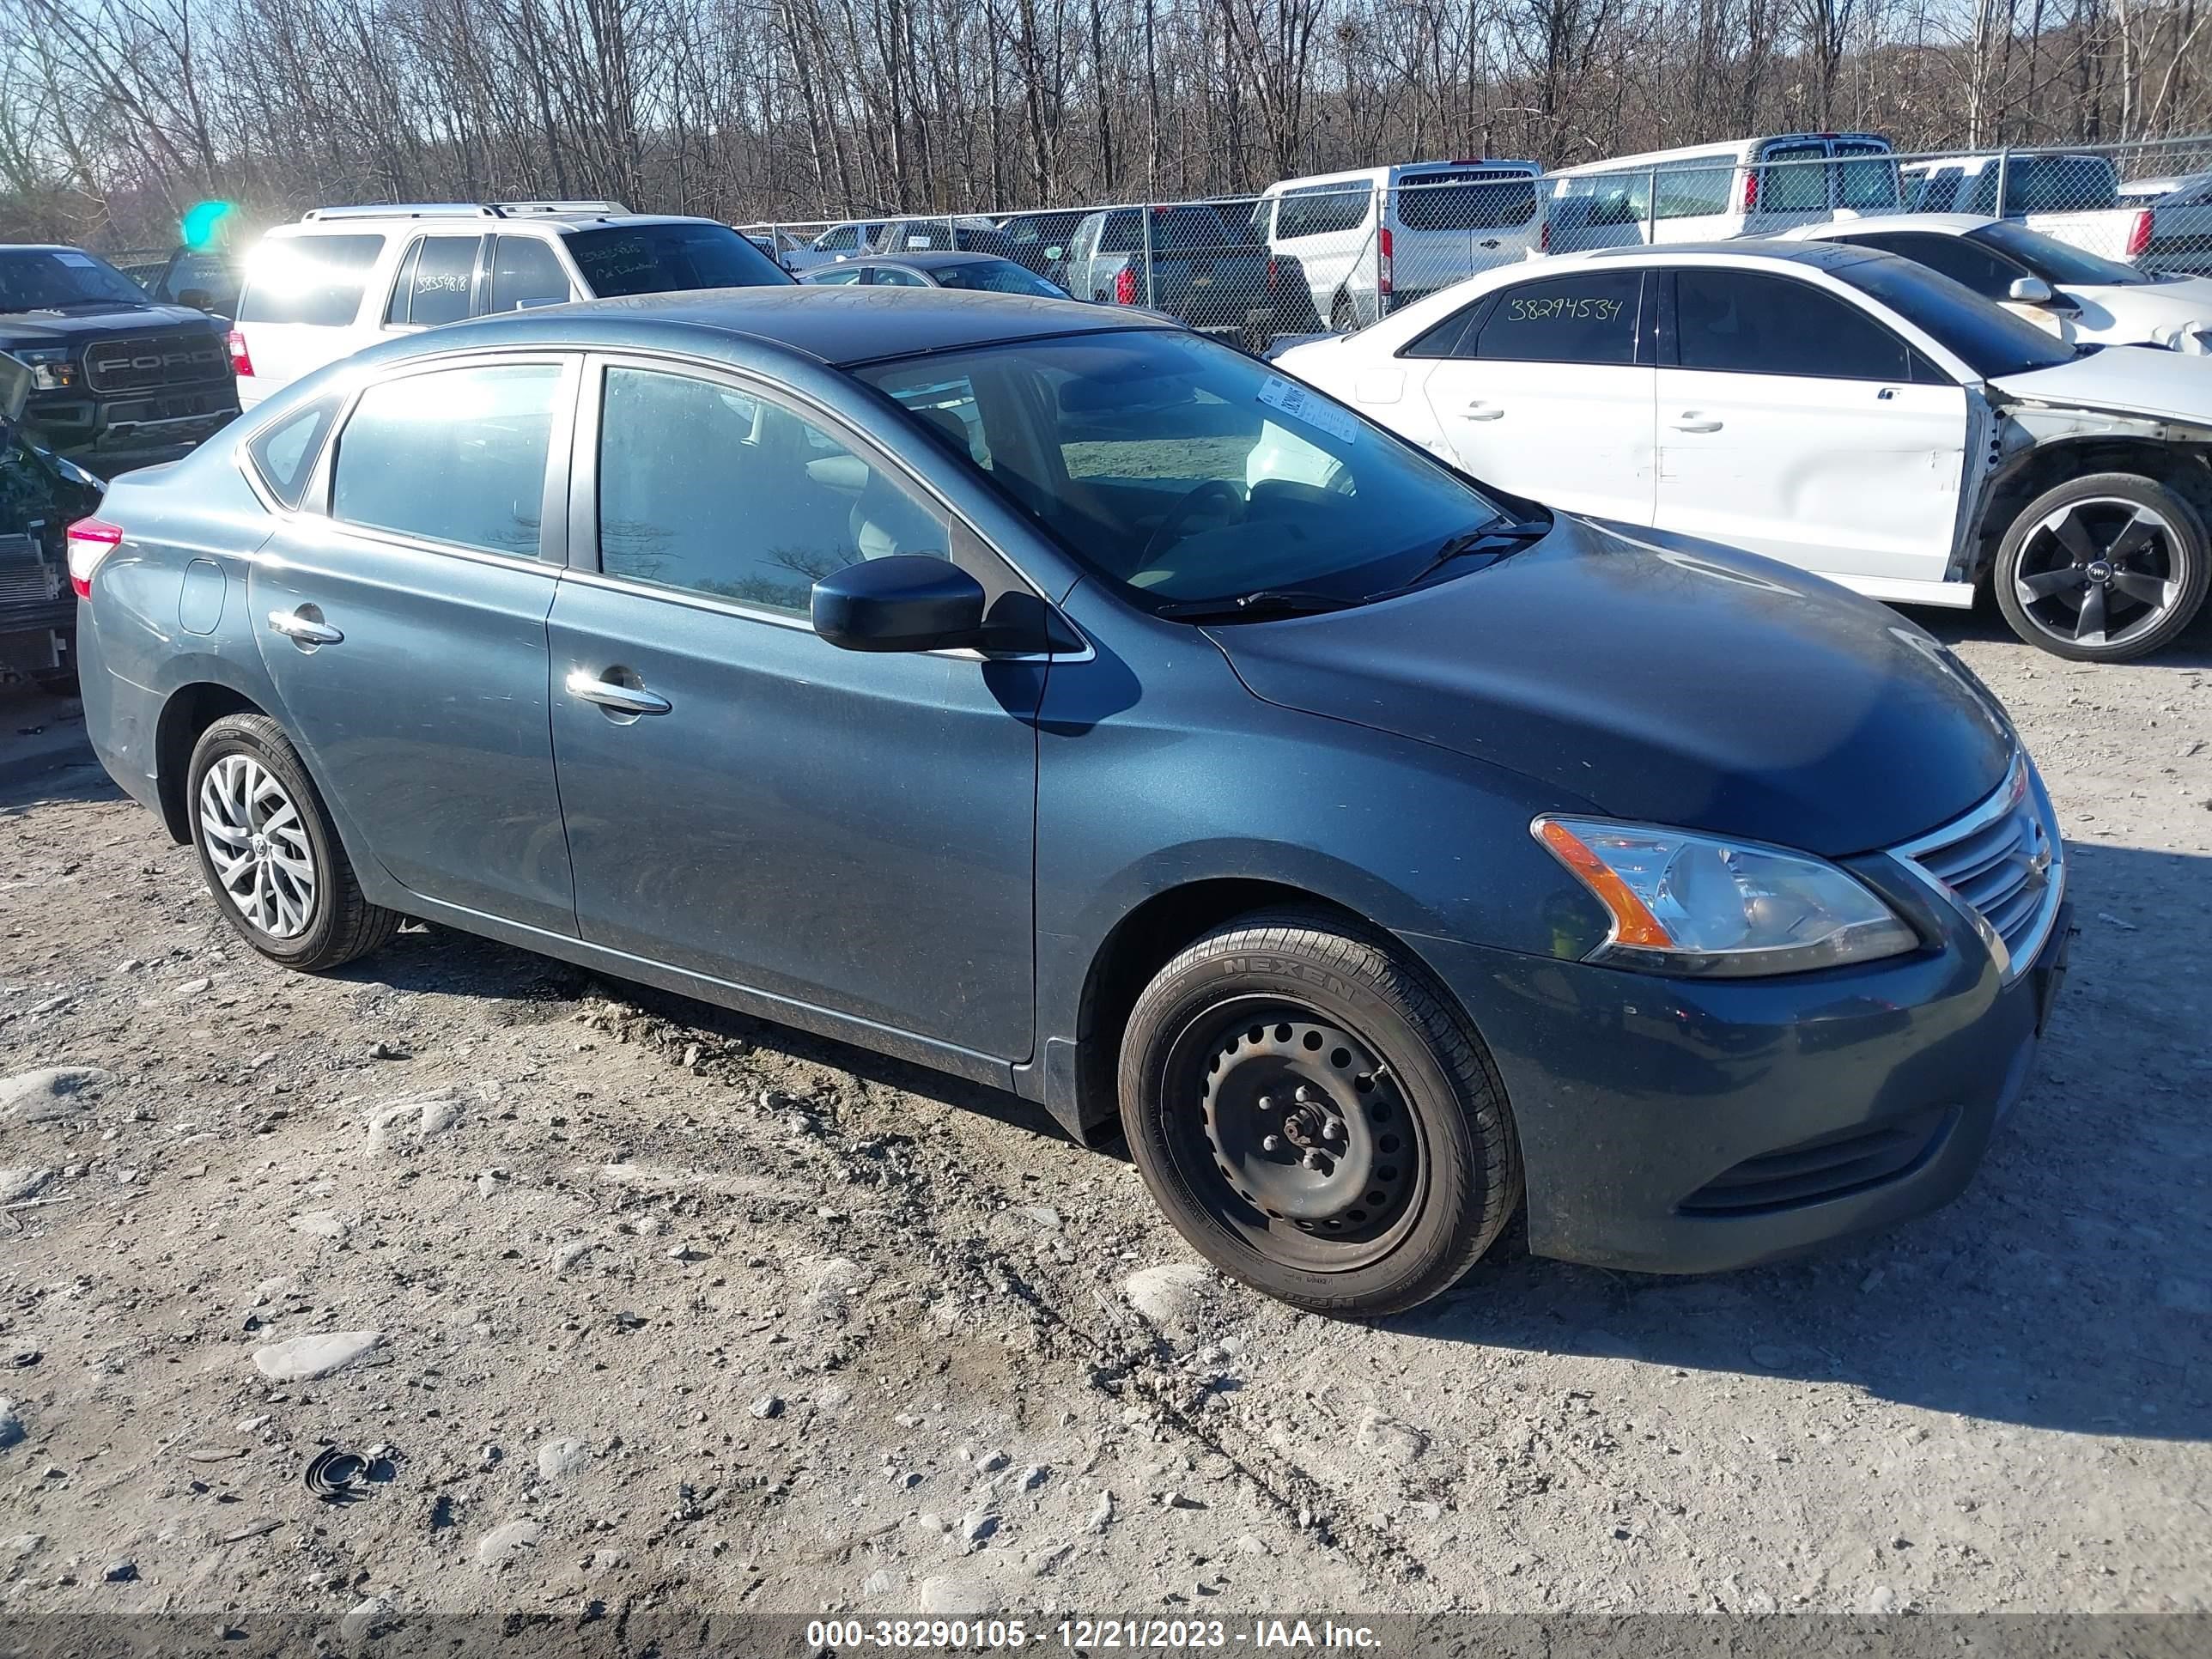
x=1301 y=404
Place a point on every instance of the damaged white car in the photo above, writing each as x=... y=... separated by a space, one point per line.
x=1839 y=409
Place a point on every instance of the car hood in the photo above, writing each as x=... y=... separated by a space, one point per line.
x=2133 y=379
x=1660 y=678
x=2150 y=310
x=34 y=328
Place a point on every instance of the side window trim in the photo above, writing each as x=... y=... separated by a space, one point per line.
x=553 y=515
x=963 y=539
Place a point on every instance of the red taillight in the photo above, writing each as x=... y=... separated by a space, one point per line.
x=242 y=360
x=1382 y=264
x=1751 y=190
x=1125 y=287
x=90 y=540
x=1544 y=238
x=1271 y=273
x=2139 y=234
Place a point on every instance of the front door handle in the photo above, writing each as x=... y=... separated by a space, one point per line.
x=613 y=693
x=1691 y=421
x=1479 y=410
x=304 y=626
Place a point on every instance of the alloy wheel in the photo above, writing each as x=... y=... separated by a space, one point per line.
x=256 y=844
x=2101 y=571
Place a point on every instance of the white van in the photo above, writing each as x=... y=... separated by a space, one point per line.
x=1375 y=237
x=1711 y=193
x=345 y=277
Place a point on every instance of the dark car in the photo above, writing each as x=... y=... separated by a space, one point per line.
x=40 y=494
x=984 y=680
x=118 y=380
x=201 y=279
x=1188 y=261
x=980 y=273
x=1039 y=241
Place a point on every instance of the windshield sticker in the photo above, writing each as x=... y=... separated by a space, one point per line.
x=77 y=259
x=1562 y=308
x=1316 y=411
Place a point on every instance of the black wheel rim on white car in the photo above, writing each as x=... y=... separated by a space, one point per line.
x=256 y=845
x=2101 y=571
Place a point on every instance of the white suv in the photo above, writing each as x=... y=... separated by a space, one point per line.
x=1371 y=239
x=345 y=277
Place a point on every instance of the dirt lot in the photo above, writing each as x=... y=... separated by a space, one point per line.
x=672 y=1308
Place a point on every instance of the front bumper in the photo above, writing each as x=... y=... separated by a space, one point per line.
x=1680 y=1126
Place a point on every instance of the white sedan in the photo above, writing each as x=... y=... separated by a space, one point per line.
x=1842 y=410
x=2076 y=296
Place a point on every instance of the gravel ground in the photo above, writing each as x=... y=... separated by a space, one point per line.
x=635 y=1305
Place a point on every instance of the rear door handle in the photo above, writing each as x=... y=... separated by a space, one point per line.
x=1691 y=421
x=304 y=626
x=1479 y=410
x=613 y=693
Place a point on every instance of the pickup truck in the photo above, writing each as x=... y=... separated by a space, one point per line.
x=118 y=381
x=2076 y=198
x=1202 y=270
x=41 y=496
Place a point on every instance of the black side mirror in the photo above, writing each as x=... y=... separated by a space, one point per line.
x=907 y=602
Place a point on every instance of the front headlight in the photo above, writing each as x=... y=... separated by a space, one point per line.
x=1684 y=903
x=52 y=370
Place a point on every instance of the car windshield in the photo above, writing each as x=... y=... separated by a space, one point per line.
x=2055 y=261
x=669 y=257
x=61 y=279
x=1988 y=338
x=997 y=276
x=1187 y=472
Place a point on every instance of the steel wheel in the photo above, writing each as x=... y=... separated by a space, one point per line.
x=1294 y=1133
x=256 y=846
x=2100 y=572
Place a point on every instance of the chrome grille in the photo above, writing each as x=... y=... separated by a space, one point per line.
x=2002 y=863
x=143 y=362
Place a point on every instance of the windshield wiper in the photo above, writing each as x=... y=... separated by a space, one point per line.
x=1497 y=536
x=1262 y=602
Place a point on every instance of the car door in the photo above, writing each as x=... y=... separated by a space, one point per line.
x=844 y=830
x=435 y=284
x=1797 y=424
x=1542 y=392
x=401 y=617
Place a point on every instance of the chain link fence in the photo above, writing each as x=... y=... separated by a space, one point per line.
x=1329 y=255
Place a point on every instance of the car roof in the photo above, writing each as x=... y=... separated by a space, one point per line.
x=1697 y=152
x=1352 y=176
x=560 y=223
x=837 y=326
x=1827 y=255
x=1943 y=224
x=49 y=247
x=929 y=258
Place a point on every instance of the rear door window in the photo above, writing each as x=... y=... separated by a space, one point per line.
x=283 y=453
x=317 y=280
x=456 y=455
x=1466 y=199
x=1745 y=322
x=1866 y=177
x=436 y=281
x=1590 y=318
x=525 y=272
x=1693 y=186
x=1796 y=180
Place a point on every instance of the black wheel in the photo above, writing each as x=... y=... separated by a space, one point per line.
x=269 y=853
x=1314 y=1119
x=1342 y=318
x=2103 y=568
